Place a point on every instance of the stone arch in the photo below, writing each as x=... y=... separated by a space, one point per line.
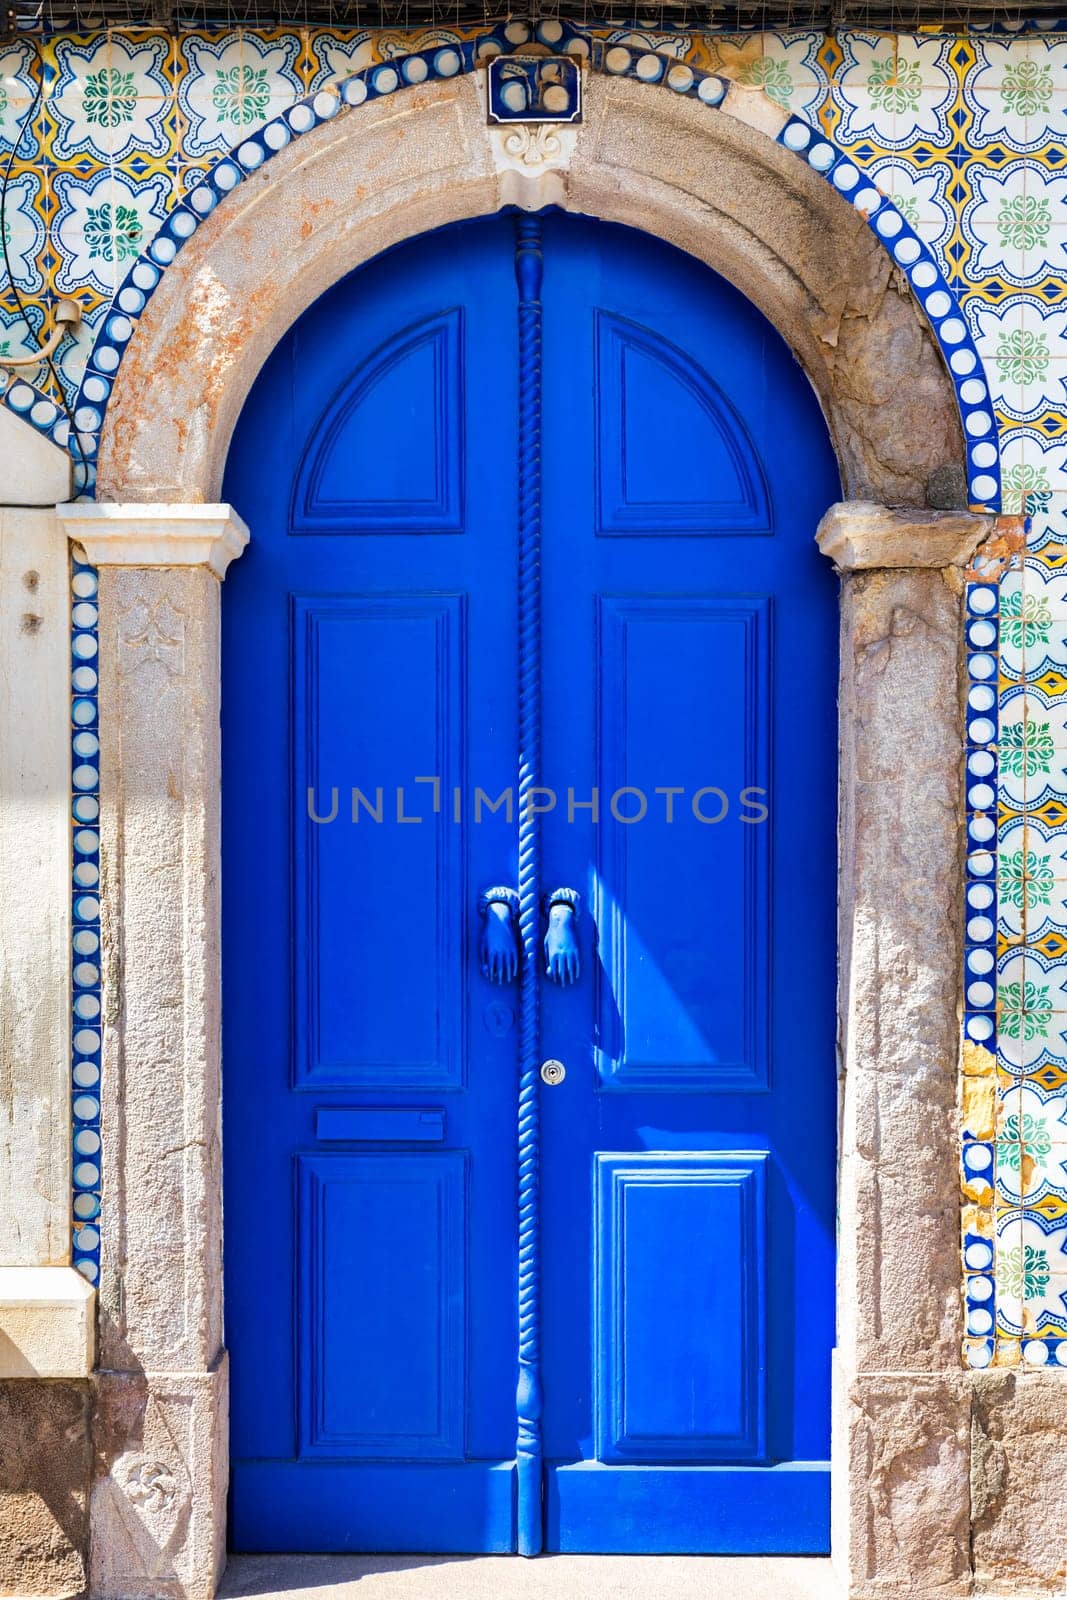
x=713 y=168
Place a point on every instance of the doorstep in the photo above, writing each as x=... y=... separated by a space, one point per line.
x=512 y=1578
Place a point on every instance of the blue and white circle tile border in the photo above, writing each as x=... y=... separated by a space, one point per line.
x=931 y=291
x=806 y=142
x=978 y=1156
x=44 y=414
x=85 y=921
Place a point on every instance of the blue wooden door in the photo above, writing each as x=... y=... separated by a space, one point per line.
x=690 y=679
x=369 y=1083
x=371 y=663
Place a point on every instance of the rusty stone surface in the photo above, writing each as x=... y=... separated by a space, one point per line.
x=1000 y=552
x=44 y=1486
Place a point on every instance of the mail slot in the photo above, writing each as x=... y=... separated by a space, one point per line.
x=401 y=1124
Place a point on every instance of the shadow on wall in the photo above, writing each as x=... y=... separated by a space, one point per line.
x=45 y=1466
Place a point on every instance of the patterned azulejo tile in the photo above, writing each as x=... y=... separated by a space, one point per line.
x=1016 y=222
x=102 y=226
x=336 y=56
x=110 y=98
x=785 y=66
x=1034 y=473
x=894 y=91
x=20 y=76
x=233 y=84
x=1031 y=1274
x=1013 y=95
x=20 y=334
x=24 y=229
x=920 y=194
x=1022 y=344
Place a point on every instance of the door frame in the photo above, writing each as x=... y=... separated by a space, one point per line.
x=721 y=187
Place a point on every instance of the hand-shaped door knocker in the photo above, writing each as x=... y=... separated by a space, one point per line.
x=499 y=948
x=562 y=962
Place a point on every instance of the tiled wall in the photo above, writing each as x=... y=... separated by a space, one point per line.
x=969 y=137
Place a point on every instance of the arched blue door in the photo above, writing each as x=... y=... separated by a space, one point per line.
x=686 y=794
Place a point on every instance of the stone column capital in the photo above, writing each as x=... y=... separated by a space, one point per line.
x=134 y=535
x=860 y=536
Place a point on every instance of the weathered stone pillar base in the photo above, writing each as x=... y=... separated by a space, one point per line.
x=950 y=1484
x=159 y=1484
x=44 y=1485
x=901 y=1493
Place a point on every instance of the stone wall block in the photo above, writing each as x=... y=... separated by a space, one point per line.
x=1018 y=1468
x=44 y=1486
x=902 y=1444
x=858 y=536
x=900 y=1301
x=159 y=1484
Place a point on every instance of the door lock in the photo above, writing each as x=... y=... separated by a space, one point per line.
x=553 y=1072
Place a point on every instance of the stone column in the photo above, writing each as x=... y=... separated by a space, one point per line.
x=901 y=1446
x=157 y=1515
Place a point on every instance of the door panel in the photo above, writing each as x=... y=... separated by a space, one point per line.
x=366 y=867
x=672 y=454
x=667 y=1017
x=382 y=1263
x=680 y=1338
x=411 y=390
x=371 y=663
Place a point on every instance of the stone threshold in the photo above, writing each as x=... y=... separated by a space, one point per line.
x=449 y=1577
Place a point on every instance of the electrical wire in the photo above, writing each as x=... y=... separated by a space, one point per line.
x=5 y=184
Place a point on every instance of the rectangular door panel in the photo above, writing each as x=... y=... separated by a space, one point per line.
x=459 y=1506
x=682 y=898
x=382 y=1303
x=680 y=1245
x=364 y=720
x=744 y=1511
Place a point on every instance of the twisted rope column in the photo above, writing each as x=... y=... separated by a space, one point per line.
x=528 y=272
